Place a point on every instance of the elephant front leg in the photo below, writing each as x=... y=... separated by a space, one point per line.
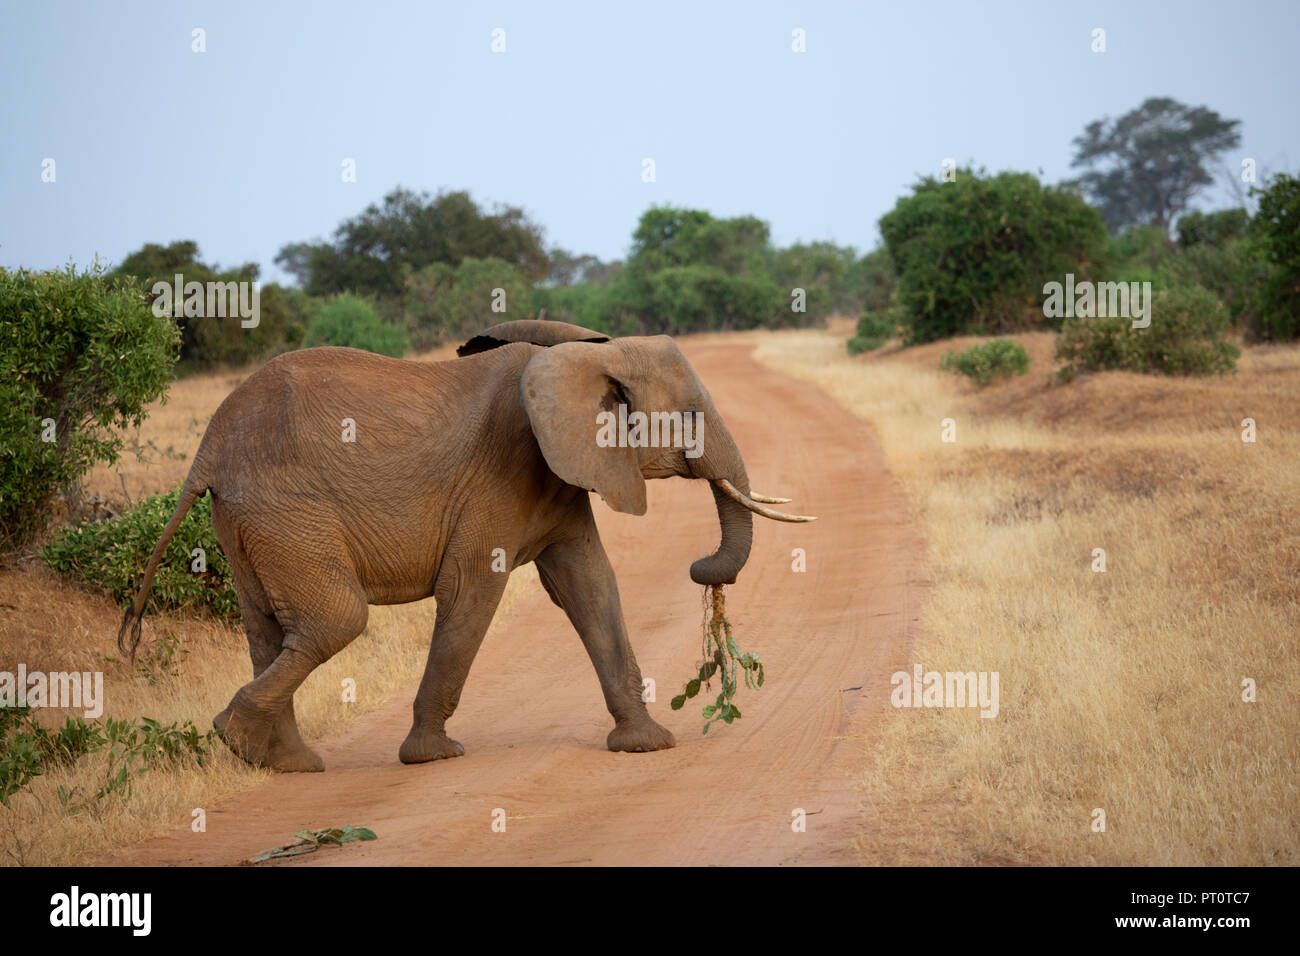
x=577 y=575
x=463 y=620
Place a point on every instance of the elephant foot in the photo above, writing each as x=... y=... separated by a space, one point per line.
x=431 y=745
x=271 y=745
x=639 y=736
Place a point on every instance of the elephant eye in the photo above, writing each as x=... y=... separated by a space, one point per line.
x=620 y=393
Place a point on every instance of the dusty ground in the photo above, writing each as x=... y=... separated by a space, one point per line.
x=533 y=723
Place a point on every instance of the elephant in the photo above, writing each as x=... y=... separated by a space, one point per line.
x=340 y=479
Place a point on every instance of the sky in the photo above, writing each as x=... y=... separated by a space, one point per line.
x=242 y=147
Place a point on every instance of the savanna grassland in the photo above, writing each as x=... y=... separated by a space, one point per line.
x=190 y=667
x=1120 y=690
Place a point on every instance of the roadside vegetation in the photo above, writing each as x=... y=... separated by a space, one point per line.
x=1120 y=689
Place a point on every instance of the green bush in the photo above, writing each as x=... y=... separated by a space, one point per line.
x=988 y=362
x=210 y=340
x=972 y=255
x=1210 y=253
x=873 y=280
x=1141 y=254
x=444 y=303
x=589 y=305
x=110 y=556
x=1212 y=228
x=134 y=747
x=874 y=330
x=350 y=321
x=81 y=356
x=1184 y=338
x=1233 y=272
x=1276 y=232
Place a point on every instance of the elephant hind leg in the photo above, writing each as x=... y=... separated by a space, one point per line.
x=284 y=749
x=259 y=724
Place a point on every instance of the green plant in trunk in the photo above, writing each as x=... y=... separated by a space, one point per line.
x=724 y=659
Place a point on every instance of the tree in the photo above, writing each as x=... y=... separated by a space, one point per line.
x=972 y=255
x=1145 y=167
x=1276 y=231
x=569 y=269
x=374 y=253
x=81 y=357
x=349 y=321
x=208 y=341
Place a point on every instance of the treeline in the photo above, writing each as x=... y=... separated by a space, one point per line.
x=415 y=271
x=975 y=253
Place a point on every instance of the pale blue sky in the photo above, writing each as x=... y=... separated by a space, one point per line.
x=240 y=147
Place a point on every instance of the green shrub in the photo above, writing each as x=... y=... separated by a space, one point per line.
x=1233 y=272
x=1276 y=232
x=443 y=303
x=988 y=362
x=81 y=356
x=350 y=321
x=133 y=746
x=873 y=280
x=1184 y=338
x=1141 y=254
x=210 y=340
x=589 y=305
x=1212 y=228
x=972 y=255
x=874 y=330
x=110 y=556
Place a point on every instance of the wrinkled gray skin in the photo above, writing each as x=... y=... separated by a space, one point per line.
x=451 y=460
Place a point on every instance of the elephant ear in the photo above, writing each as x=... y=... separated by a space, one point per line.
x=563 y=389
x=537 y=331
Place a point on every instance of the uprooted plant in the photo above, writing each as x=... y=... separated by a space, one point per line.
x=309 y=841
x=721 y=657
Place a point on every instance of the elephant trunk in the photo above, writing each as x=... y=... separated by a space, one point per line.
x=723 y=565
x=722 y=460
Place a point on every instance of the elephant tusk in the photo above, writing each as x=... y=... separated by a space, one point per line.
x=731 y=492
x=767 y=499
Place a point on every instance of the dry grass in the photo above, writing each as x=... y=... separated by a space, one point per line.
x=1119 y=690
x=51 y=625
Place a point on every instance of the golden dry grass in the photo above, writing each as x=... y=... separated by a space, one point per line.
x=51 y=625
x=1119 y=690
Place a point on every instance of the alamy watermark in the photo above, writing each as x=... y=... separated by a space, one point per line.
x=653 y=430
x=197 y=300
x=1086 y=300
x=946 y=689
x=75 y=908
x=70 y=689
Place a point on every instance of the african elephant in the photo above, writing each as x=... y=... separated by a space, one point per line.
x=447 y=462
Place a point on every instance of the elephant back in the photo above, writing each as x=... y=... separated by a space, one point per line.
x=537 y=331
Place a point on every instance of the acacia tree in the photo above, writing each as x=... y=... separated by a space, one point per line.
x=1145 y=167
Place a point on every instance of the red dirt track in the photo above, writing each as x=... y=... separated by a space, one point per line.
x=533 y=722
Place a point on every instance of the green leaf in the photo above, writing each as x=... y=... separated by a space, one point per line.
x=678 y=702
x=692 y=688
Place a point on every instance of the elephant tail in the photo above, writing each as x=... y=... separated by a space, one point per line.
x=195 y=487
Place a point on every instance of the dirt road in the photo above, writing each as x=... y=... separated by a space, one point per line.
x=533 y=722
